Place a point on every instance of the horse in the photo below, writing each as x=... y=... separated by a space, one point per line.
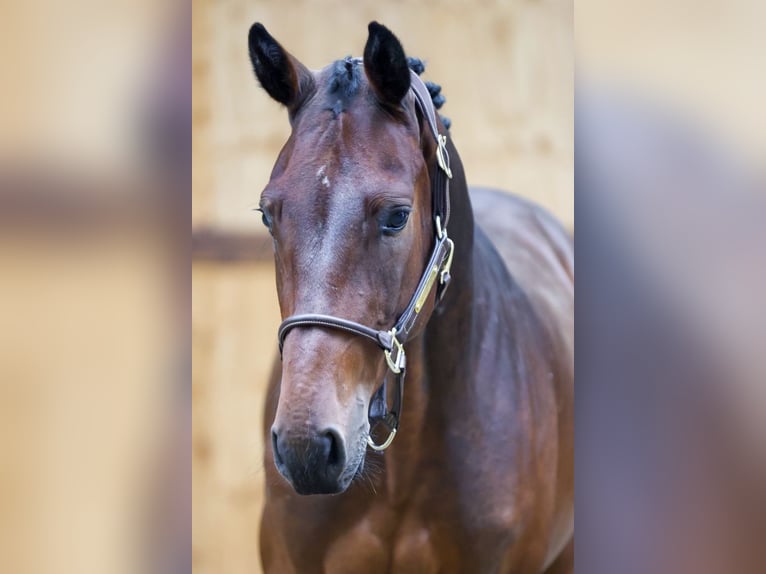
x=386 y=263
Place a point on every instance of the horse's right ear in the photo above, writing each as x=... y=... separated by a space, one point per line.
x=280 y=74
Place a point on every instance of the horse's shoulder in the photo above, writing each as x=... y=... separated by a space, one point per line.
x=534 y=246
x=507 y=217
x=538 y=255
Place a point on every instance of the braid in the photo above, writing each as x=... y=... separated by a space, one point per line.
x=418 y=66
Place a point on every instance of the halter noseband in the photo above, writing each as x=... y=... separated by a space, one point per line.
x=439 y=264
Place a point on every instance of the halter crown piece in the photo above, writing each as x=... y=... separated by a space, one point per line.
x=392 y=341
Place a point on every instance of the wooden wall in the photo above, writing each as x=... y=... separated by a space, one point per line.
x=506 y=70
x=234 y=343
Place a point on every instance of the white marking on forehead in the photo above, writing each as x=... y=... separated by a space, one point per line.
x=333 y=241
x=325 y=179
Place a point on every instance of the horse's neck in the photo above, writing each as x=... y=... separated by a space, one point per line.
x=450 y=317
x=461 y=222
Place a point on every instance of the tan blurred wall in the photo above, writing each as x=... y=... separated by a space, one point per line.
x=697 y=60
x=235 y=318
x=85 y=346
x=506 y=70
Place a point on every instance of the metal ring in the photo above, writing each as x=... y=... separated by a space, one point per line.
x=383 y=446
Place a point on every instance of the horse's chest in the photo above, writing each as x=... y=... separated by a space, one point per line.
x=382 y=549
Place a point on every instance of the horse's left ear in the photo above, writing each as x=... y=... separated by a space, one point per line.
x=281 y=74
x=386 y=65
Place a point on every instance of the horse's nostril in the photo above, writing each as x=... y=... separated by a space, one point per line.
x=275 y=447
x=313 y=464
x=333 y=448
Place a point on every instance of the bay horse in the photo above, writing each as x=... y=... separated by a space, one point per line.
x=386 y=264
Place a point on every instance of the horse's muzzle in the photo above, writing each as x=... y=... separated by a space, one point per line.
x=312 y=462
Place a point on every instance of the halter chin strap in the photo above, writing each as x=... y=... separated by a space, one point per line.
x=438 y=268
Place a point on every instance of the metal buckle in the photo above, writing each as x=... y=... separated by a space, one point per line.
x=440 y=232
x=395 y=364
x=442 y=155
x=444 y=277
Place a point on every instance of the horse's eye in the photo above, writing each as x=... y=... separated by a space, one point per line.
x=266 y=219
x=396 y=220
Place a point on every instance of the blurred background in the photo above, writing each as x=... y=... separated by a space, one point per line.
x=506 y=69
x=94 y=296
x=670 y=168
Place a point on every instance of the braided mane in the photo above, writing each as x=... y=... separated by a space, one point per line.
x=345 y=83
x=418 y=66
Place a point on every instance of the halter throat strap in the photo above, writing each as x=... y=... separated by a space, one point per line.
x=436 y=273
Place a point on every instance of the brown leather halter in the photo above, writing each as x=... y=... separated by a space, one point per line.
x=392 y=341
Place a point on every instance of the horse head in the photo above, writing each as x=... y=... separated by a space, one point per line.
x=349 y=208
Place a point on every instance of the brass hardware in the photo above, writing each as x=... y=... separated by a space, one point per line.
x=383 y=446
x=439 y=231
x=448 y=265
x=432 y=274
x=441 y=155
x=395 y=364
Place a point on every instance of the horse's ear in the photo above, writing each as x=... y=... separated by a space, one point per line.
x=280 y=74
x=386 y=65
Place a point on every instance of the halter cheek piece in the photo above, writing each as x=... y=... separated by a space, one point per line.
x=439 y=264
